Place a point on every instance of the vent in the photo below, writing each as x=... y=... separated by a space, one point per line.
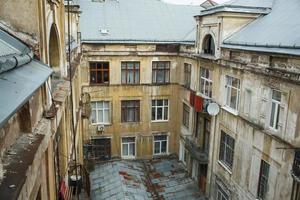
x=104 y=31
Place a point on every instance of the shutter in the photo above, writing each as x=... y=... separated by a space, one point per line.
x=254 y=174
x=271 y=188
x=283 y=113
x=264 y=105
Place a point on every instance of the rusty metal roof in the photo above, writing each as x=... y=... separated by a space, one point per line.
x=147 y=179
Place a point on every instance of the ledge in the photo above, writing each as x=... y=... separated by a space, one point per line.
x=17 y=161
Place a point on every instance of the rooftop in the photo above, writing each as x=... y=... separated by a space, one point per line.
x=275 y=32
x=147 y=179
x=137 y=21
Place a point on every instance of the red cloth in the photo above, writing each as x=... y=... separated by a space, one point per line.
x=198 y=104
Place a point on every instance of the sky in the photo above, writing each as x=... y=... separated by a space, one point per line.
x=193 y=2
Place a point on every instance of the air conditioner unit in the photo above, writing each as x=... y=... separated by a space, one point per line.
x=100 y=128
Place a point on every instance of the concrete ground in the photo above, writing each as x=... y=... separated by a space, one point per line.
x=147 y=179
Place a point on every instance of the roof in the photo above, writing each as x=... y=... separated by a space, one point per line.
x=241 y=6
x=20 y=75
x=137 y=21
x=143 y=179
x=275 y=32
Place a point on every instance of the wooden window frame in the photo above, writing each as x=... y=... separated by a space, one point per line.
x=99 y=68
x=126 y=107
x=135 y=70
x=186 y=113
x=187 y=75
x=166 y=71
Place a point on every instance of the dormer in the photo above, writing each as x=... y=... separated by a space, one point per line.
x=217 y=23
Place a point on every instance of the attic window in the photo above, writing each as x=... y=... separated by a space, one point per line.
x=208 y=45
x=104 y=31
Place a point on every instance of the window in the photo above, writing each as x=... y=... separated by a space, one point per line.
x=263 y=180
x=206 y=82
x=100 y=112
x=187 y=75
x=275 y=109
x=221 y=194
x=130 y=111
x=160 y=144
x=186 y=115
x=99 y=72
x=161 y=72
x=208 y=45
x=226 y=150
x=128 y=146
x=130 y=72
x=232 y=92
x=160 y=110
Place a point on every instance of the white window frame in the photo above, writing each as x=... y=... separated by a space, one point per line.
x=163 y=110
x=103 y=110
x=276 y=111
x=206 y=81
x=128 y=146
x=160 y=142
x=229 y=88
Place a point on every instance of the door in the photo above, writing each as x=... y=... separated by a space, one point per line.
x=101 y=148
x=195 y=170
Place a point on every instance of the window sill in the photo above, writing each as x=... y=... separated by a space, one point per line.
x=131 y=122
x=130 y=84
x=160 y=154
x=99 y=84
x=161 y=83
x=128 y=157
x=204 y=96
x=225 y=167
x=97 y=124
x=231 y=110
x=159 y=121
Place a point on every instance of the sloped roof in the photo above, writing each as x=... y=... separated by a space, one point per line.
x=241 y=6
x=20 y=75
x=276 y=32
x=137 y=21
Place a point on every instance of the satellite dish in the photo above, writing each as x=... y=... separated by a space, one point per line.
x=213 y=109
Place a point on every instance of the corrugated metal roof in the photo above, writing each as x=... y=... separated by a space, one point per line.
x=18 y=85
x=147 y=179
x=137 y=21
x=275 y=32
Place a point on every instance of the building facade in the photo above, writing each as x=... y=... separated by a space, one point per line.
x=37 y=154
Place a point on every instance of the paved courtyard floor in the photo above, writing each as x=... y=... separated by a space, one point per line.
x=147 y=179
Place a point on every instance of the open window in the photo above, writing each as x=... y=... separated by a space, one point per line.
x=208 y=45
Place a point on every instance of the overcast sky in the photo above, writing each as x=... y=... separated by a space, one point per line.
x=194 y=2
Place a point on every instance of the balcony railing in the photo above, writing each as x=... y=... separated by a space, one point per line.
x=195 y=151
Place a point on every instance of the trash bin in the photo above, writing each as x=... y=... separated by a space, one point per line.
x=76 y=184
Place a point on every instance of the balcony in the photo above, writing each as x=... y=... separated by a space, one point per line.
x=296 y=166
x=195 y=151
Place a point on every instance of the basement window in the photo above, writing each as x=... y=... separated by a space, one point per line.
x=128 y=147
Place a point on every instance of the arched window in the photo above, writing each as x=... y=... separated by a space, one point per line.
x=54 y=57
x=208 y=45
